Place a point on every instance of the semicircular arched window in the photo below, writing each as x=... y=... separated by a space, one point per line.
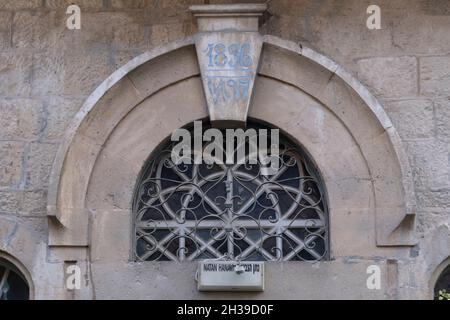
x=13 y=285
x=202 y=211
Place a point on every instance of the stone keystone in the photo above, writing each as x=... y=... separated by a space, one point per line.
x=228 y=49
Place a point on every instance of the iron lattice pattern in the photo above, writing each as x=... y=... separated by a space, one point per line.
x=189 y=212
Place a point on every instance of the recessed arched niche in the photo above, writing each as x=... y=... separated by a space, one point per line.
x=317 y=104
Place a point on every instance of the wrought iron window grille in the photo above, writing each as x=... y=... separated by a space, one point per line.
x=185 y=212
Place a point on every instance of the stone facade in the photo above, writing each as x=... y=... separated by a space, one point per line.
x=48 y=73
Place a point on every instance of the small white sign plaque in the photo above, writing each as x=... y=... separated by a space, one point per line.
x=230 y=276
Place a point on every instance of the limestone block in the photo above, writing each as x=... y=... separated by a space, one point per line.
x=435 y=76
x=170 y=11
x=159 y=34
x=410 y=31
x=130 y=31
x=5 y=29
x=434 y=198
x=46 y=30
x=97 y=29
x=33 y=203
x=39 y=162
x=122 y=30
x=9 y=201
x=39 y=29
x=430 y=218
x=390 y=77
x=15 y=73
x=130 y=4
x=10 y=163
x=20 y=118
x=112 y=226
x=413 y=119
x=443 y=118
x=5 y=21
x=430 y=164
x=5 y=40
x=19 y=4
x=70 y=71
x=83 y=4
x=167 y=32
x=131 y=34
x=332 y=33
x=351 y=9
x=60 y=112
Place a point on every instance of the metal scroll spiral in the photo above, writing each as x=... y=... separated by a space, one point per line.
x=231 y=212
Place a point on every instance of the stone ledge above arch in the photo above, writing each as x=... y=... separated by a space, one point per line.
x=296 y=66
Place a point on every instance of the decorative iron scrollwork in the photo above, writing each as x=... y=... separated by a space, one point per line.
x=187 y=212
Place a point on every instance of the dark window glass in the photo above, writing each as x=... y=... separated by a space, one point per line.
x=13 y=285
x=443 y=283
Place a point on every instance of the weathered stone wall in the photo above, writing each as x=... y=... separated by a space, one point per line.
x=47 y=71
